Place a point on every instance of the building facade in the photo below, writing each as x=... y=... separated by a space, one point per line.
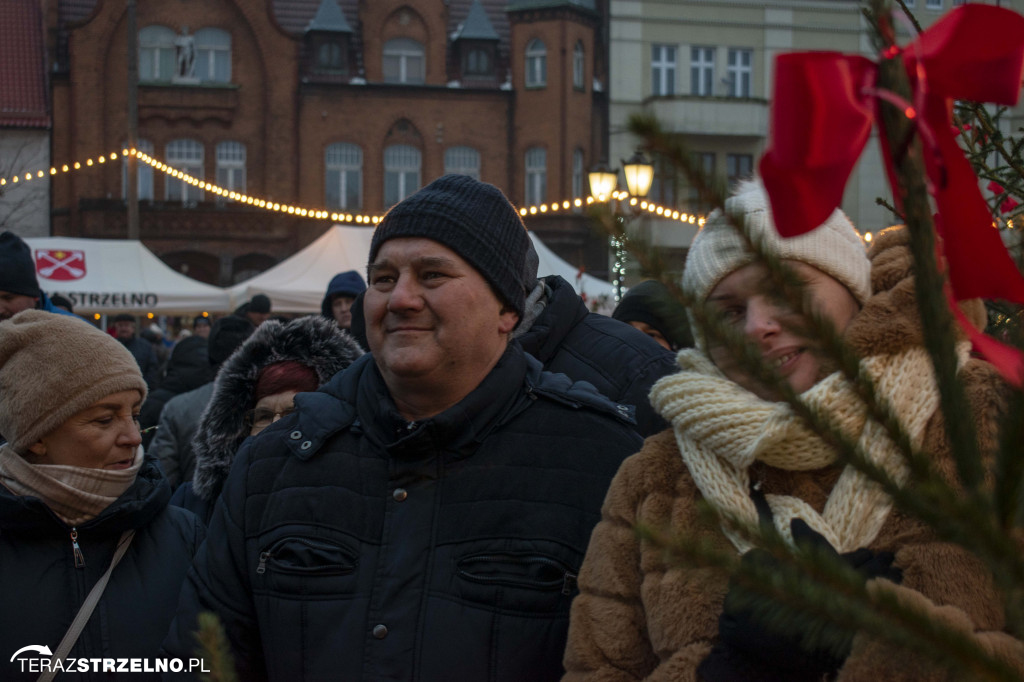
x=344 y=105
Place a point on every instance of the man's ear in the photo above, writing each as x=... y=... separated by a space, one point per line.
x=507 y=320
x=37 y=450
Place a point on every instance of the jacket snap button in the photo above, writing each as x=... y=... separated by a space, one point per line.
x=380 y=631
x=295 y=435
x=400 y=494
x=306 y=445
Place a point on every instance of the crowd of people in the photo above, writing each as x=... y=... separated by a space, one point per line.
x=441 y=476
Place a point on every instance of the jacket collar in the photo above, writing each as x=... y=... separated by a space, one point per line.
x=563 y=311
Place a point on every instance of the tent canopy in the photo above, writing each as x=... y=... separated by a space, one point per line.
x=297 y=284
x=118 y=275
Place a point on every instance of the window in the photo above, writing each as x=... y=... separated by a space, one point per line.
x=579 y=67
x=231 y=166
x=578 y=176
x=213 y=55
x=739 y=167
x=186 y=156
x=157 y=54
x=344 y=176
x=536 y=64
x=910 y=3
x=330 y=57
x=706 y=162
x=663 y=69
x=702 y=71
x=536 y=175
x=478 y=62
x=462 y=160
x=933 y=4
x=403 y=61
x=739 y=72
x=401 y=173
x=663 y=184
x=143 y=171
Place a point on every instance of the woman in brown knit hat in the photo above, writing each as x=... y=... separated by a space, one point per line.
x=76 y=489
x=734 y=447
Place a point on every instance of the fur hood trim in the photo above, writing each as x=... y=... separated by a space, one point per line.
x=313 y=341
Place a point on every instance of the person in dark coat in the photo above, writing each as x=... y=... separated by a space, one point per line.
x=140 y=348
x=621 y=362
x=424 y=514
x=651 y=308
x=341 y=294
x=187 y=368
x=19 y=288
x=254 y=388
x=75 y=483
x=179 y=420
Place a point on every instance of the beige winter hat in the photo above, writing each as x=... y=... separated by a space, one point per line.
x=835 y=248
x=52 y=366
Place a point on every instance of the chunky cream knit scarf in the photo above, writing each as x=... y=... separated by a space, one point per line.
x=75 y=494
x=722 y=429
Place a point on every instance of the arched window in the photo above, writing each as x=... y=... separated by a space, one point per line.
x=186 y=156
x=577 y=174
x=536 y=64
x=579 y=67
x=536 y=175
x=401 y=172
x=403 y=61
x=213 y=55
x=231 y=165
x=462 y=160
x=344 y=176
x=156 y=54
x=143 y=171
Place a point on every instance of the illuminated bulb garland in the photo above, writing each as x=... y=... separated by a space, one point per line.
x=324 y=214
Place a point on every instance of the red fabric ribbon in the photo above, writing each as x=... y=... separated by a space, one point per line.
x=825 y=105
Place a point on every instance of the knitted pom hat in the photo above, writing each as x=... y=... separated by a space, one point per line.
x=835 y=248
x=17 y=269
x=473 y=219
x=53 y=366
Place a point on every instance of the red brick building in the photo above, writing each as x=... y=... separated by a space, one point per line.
x=348 y=105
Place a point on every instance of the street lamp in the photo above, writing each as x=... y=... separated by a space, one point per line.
x=639 y=175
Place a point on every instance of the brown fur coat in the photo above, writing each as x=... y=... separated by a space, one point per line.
x=638 y=617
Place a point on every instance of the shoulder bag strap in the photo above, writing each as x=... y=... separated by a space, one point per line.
x=71 y=636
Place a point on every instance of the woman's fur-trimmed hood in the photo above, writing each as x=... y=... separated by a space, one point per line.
x=313 y=341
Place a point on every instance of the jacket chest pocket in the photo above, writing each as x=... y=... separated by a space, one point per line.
x=517 y=581
x=307 y=566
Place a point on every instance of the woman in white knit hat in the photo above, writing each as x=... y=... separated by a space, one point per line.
x=734 y=446
x=85 y=527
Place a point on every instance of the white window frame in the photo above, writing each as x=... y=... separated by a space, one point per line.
x=143 y=172
x=185 y=155
x=343 y=176
x=406 y=61
x=157 y=54
x=402 y=167
x=463 y=161
x=213 y=55
x=740 y=71
x=702 y=70
x=933 y=4
x=663 y=69
x=536 y=64
x=579 y=66
x=231 y=157
x=578 y=175
x=536 y=175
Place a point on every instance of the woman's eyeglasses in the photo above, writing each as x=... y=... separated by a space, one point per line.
x=262 y=417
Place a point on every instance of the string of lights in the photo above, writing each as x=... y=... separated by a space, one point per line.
x=323 y=214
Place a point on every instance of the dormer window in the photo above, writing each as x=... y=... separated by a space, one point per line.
x=478 y=61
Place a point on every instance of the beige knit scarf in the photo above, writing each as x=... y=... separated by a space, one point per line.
x=721 y=429
x=75 y=494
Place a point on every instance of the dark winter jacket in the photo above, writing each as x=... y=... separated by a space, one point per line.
x=145 y=356
x=313 y=341
x=188 y=368
x=351 y=544
x=172 y=443
x=42 y=589
x=620 y=361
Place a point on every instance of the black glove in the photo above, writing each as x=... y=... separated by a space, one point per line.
x=750 y=649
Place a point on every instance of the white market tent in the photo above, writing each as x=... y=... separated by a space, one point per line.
x=297 y=284
x=118 y=275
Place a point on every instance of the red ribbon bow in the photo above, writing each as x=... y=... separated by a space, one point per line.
x=825 y=105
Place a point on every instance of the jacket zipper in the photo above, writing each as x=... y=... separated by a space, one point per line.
x=79 y=557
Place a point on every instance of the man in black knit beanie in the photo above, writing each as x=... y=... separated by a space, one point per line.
x=426 y=511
